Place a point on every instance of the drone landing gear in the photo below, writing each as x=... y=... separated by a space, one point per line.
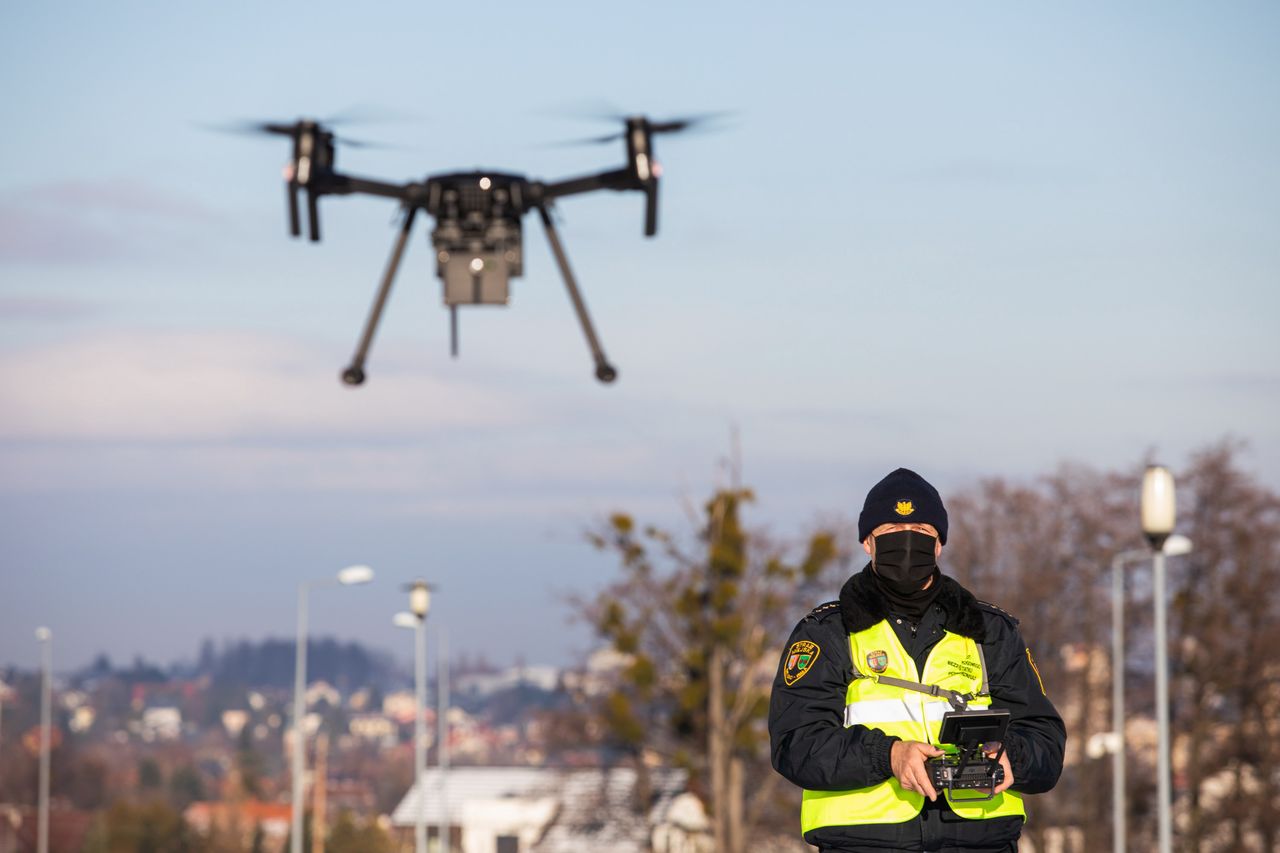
x=605 y=372
x=354 y=374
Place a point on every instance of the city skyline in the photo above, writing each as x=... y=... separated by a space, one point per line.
x=976 y=242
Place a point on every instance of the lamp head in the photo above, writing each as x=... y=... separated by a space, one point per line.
x=43 y=634
x=352 y=575
x=1177 y=545
x=1159 y=509
x=419 y=597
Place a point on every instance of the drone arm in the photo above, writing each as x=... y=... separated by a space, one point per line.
x=348 y=185
x=354 y=374
x=619 y=179
x=605 y=372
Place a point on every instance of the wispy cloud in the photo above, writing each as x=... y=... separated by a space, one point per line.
x=136 y=198
x=46 y=309
x=87 y=221
x=252 y=415
x=175 y=387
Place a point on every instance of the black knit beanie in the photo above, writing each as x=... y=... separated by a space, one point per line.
x=903 y=497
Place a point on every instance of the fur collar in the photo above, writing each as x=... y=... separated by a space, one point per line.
x=862 y=605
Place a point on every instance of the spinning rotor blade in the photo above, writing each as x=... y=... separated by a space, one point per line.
x=590 y=140
x=683 y=123
x=366 y=114
x=365 y=143
x=293 y=130
x=257 y=127
x=700 y=121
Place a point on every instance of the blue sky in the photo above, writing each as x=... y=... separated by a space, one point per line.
x=977 y=240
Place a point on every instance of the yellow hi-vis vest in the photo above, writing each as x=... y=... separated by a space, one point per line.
x=954 y=664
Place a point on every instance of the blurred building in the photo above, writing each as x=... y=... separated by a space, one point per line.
x=243 y=819
x=162 y=723
x=68 y=828
x=375 y=728
x=558 y=810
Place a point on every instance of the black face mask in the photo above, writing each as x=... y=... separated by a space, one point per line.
x=904 y=562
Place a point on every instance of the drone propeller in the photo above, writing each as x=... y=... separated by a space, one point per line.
x=299 y=127
x=700 y=121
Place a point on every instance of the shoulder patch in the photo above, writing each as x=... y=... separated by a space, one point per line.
x=800 y=658
x=822 y=611
x=991 y=608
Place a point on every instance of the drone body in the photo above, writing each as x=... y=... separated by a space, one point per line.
x=478 y=233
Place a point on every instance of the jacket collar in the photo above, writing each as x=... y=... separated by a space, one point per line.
x=862 y=605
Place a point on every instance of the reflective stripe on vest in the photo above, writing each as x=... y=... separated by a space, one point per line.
x=955 y=663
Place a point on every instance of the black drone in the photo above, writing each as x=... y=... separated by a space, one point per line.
x=477 y=235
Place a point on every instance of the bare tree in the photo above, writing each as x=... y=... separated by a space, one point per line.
x=701 y=622
x=1226 y=679
x=1041 y=551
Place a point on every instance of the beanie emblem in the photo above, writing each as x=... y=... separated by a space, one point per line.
x=904 y=508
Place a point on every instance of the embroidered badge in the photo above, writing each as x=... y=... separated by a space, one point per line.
x=878 y=660
x=800 y=658
x=904 y=508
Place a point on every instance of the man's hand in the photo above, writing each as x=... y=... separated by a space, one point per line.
x=906 y=759
x=1008 y=769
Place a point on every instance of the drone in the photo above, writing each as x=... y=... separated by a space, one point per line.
x=478 y=216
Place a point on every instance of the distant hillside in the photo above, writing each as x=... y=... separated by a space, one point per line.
x=270 y=663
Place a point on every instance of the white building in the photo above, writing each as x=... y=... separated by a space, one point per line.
x=163 y=723
x=234 y=720
x=373 y=727
x=323 y=691
x=545 y=678
x=400 y=706
x=82 y=719
x=554 y=810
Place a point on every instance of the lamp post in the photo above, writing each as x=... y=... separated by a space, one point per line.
x=1159 y=511
x=45 y=636
x=419 y=603
x=1174 y=546
x=349 y=576
x=442 y=724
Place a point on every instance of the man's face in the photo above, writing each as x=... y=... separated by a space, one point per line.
x=869 y=544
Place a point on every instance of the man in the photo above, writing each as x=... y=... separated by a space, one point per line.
x=854 y=716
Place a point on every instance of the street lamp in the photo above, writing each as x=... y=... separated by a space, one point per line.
x=419 y=603
x=1159 y=511
x=45 y=636
x=442 y=726
x=349 y=576
x=1174 y=546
